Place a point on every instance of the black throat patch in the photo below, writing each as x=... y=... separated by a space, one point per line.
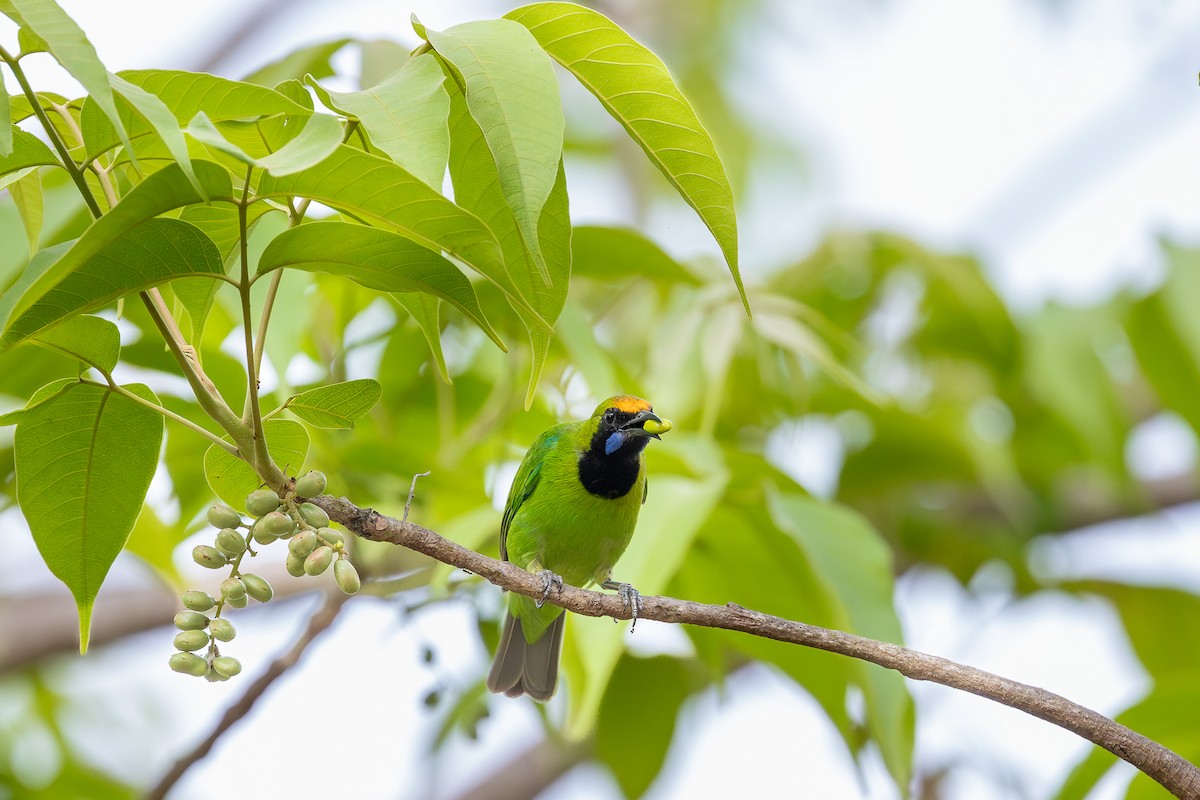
x=611 y=476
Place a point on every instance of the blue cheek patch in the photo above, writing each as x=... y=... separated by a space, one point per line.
x=614 y=442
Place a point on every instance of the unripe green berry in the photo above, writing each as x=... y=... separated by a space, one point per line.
x=226 y=666
x=222 y=516
x=315 y=516
x=331 y=537
x=197 y=600
x=212 y=676
x=257 y=588
x=232 y=587
x=222 y=630
x=277 y=524
x=318 y=560
x=311 y=484
x=260 y=534
x=188 y=664
x=262 y=502
x=191 y=621
x=295 y=566
x=207 y=556
x=346 y=576
x=230 y=542
x=237 y=602
x=191 y=640
x=303 y=543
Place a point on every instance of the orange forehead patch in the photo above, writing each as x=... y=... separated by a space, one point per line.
x=627 y=403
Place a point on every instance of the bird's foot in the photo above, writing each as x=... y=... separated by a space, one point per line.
x=630 y=596
x=550 y=580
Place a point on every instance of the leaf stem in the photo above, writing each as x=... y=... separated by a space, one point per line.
x=264 y=320
x=171 y=415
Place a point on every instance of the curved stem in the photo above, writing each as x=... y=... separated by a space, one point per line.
x=264 y=320
x=166 y=412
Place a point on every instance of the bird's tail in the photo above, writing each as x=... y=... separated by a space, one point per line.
x=522 y=667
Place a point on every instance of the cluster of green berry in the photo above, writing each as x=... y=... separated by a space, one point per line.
x=312 y=547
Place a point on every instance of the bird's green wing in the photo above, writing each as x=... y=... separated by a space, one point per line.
x=527 y=480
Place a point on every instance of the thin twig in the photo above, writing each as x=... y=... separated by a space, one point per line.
x=1175 y=773
x=316 y=626
x=412 y=491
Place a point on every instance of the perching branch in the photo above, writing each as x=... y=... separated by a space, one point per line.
x=1175 y=773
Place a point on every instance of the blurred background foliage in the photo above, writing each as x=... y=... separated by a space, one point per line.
x=956 y=431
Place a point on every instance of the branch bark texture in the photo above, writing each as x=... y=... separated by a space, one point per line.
x=1176 y=774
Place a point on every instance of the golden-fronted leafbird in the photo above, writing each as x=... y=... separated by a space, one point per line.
x=569 y=517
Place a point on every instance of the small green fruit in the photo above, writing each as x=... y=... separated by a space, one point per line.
x=332 y=538
x=197 y=600
x=262 y=502
x=311 y=485
x=191 y=621
x=295 y=566
x=221 y=516
x=237 y=602
x=191 y=640
x=303 y=543
x=207 y=556
x=318 y=560
x=222 y=630
x=188 y=664
x=212 y=676
x=346 y=576
x=257 y=588
x=315 y=516
x=226 y=666
x=232 y=587
x=230 y=542
x=277 y=524
x=260 y=534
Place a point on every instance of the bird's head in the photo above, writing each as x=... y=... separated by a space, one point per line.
x=625 y=424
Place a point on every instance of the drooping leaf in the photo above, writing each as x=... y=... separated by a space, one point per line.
x=512 y=94
x=405 y=115
x=377 y=259
x=232 y=479
x=637 y=90
x=146 y=255
x=337 y=405
x=84 y=462
x=425 y=309
x=93 y=340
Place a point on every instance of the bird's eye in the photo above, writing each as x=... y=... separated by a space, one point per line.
x=609 y=416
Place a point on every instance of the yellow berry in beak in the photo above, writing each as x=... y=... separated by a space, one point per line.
x=654 y=427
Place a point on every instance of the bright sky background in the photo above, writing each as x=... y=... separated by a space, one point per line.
x=1056 y=139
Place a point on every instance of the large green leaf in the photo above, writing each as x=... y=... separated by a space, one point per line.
x=232 y=479
x=188 y=93
x=426 y=311
x=377 y=259
x=164 y=190
x=70 y=47
x=319 y=137
x=156 y=114
x=337 y=405
x=512 y=94
x=27 y=151
x=93 y=340
x=636 y=88
x=377 y=189
x=84 y=462
x=146 y=255
x=854 y=567
x=405 y=116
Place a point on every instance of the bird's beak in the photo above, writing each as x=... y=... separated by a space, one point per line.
x=647 y=423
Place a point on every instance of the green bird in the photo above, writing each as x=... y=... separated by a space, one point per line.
x=570 y=515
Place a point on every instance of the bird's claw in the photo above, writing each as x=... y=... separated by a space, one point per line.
x=630 y=596
x=550 y=580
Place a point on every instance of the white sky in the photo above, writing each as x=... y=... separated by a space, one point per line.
x=1059 y=146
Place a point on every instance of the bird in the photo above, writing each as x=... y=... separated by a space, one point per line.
x=570 y=515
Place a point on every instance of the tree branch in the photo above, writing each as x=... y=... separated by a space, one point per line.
x=1175 y=773
x=316 y=626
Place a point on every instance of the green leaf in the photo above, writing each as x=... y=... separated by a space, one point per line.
x=425 y=309
x=618 y=253
x=188 y=93
x=320 y=136
x=6 y=122
x=155 y=251
x=84 y=463
x=71 y=48
x=42 y=395
x=27 y=151
x=854 y=566
x=26 y=192
x=164 y=190
x=232 y=479
x=512 y=94
x=156 y=114
x=383 y=192
x=93 y=340
x=477 y=188
x=1167 y=358
x=377 y=259
x=30 y=42
x=153 y=541
x=295 y=65
x=337 y=405
x=405 y=116
x=637 y=90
